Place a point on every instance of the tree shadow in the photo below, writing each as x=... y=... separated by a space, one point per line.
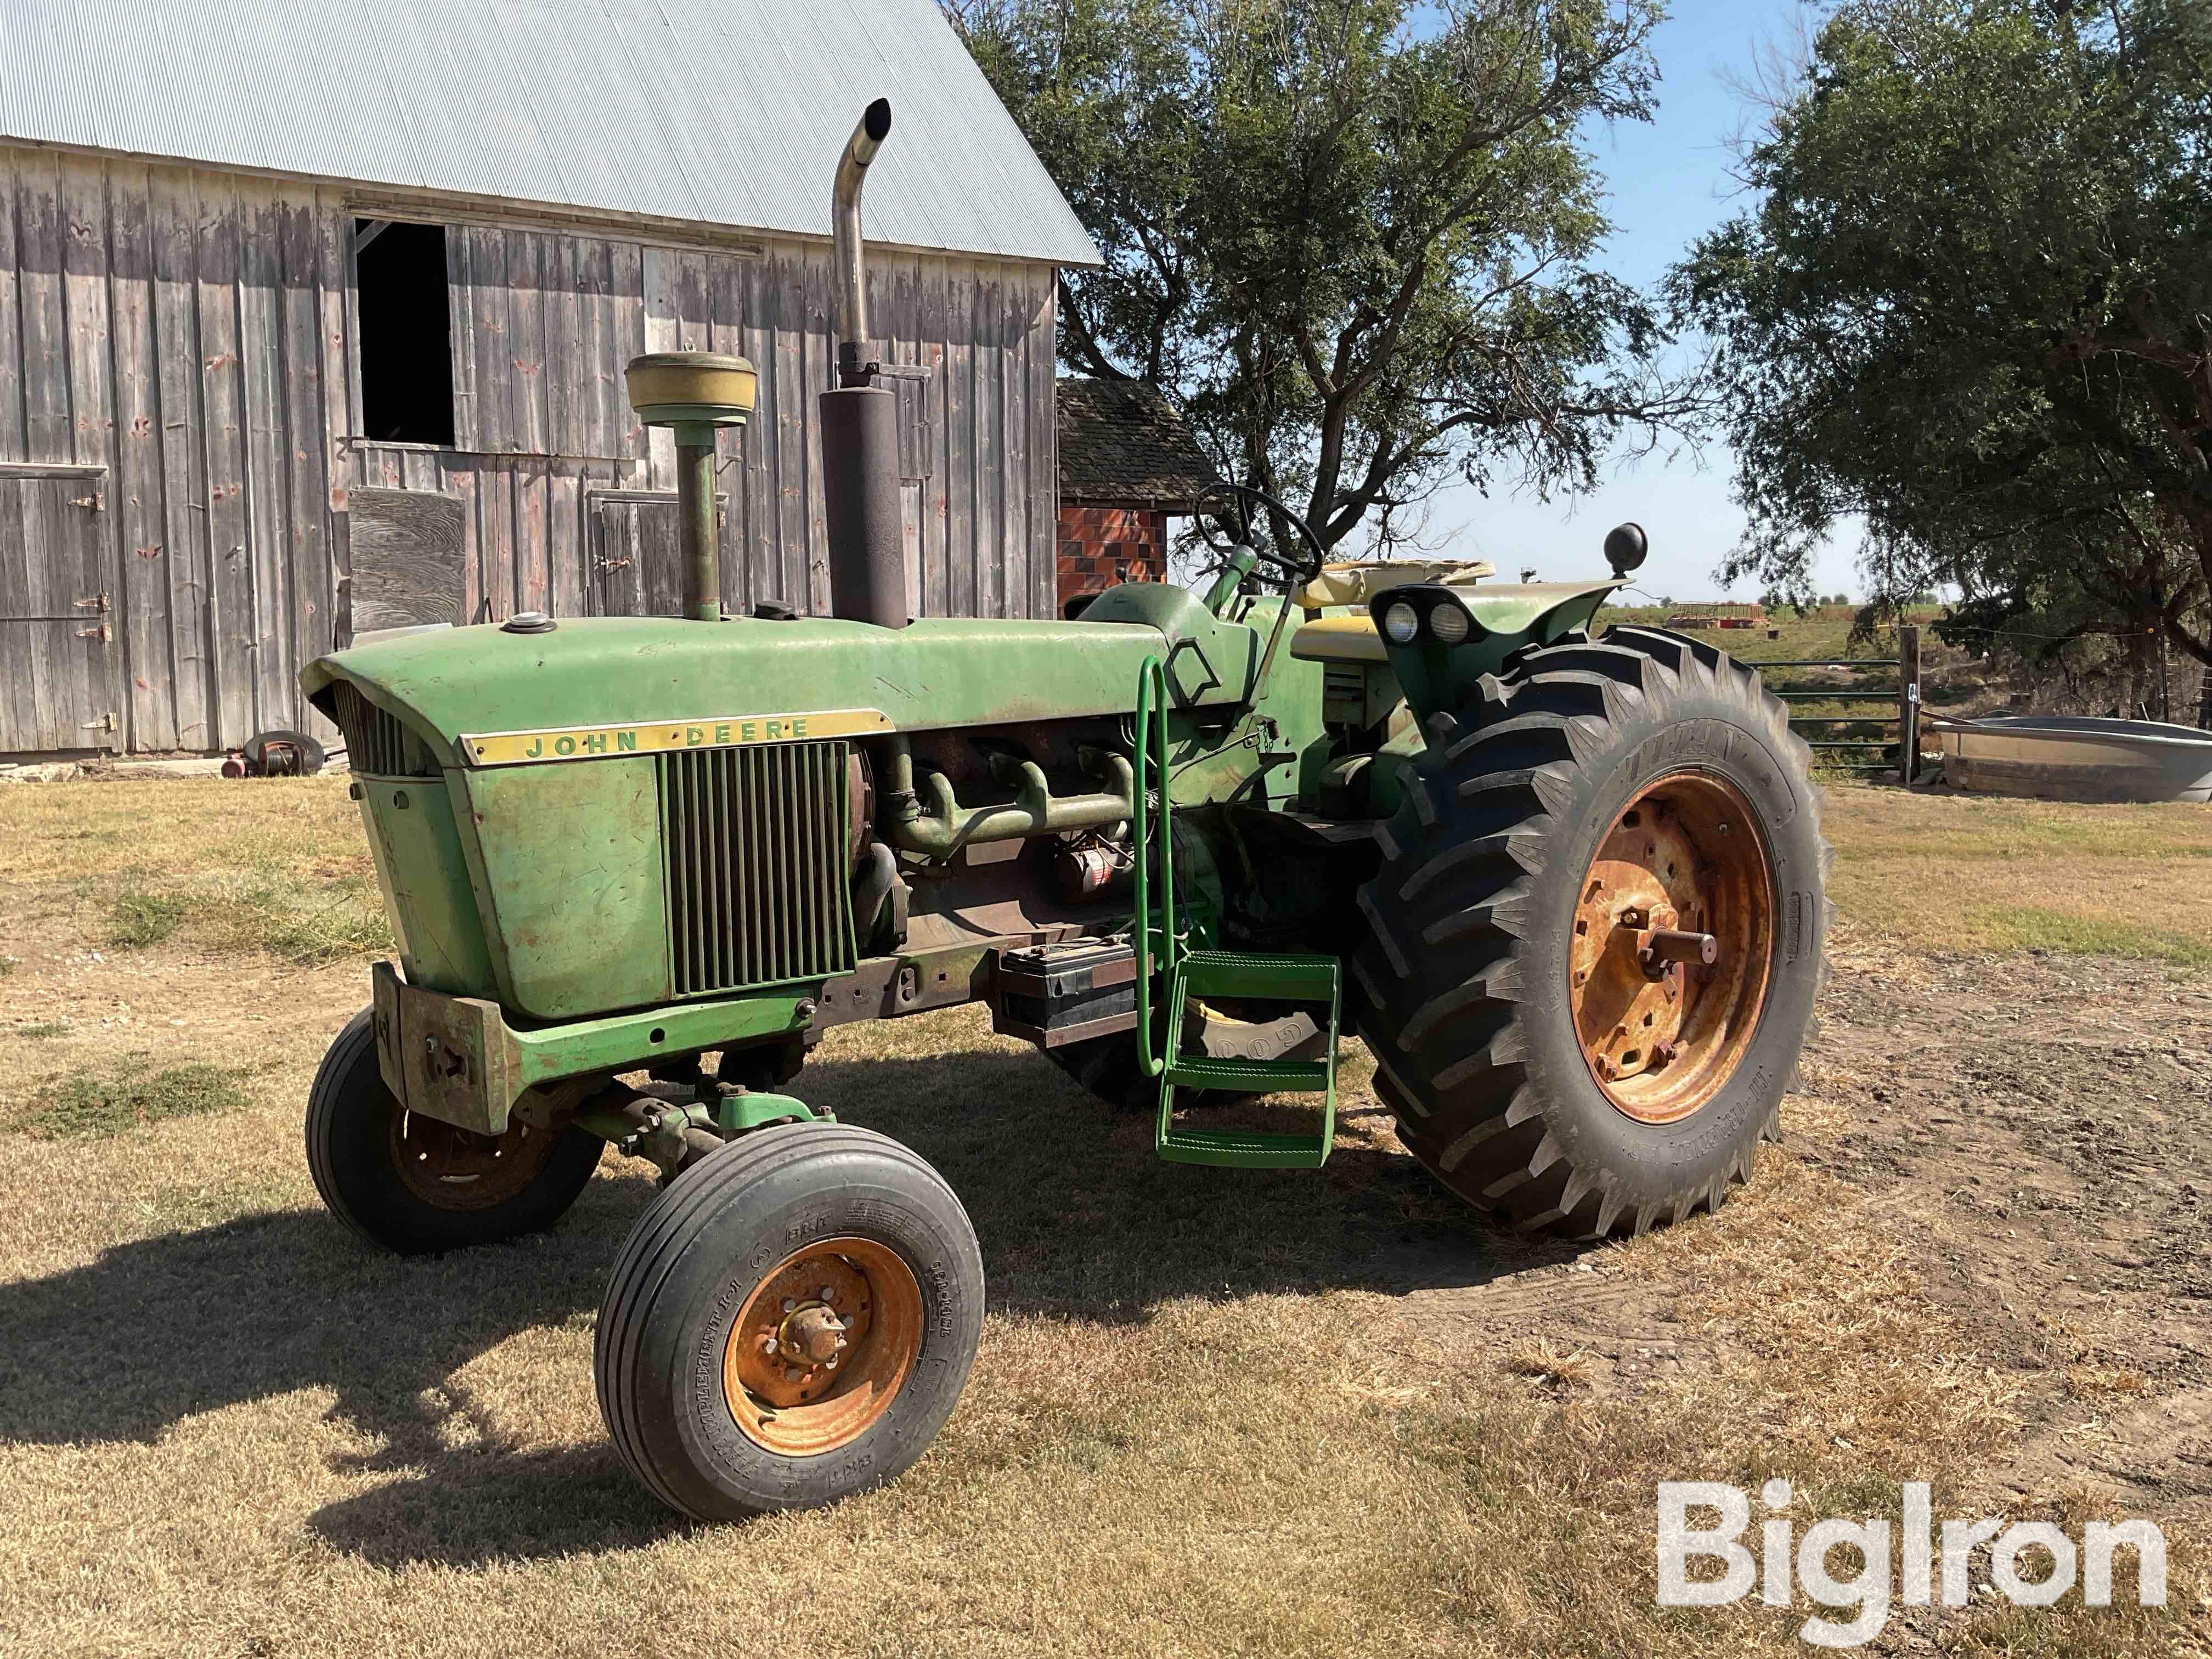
x=163 y=1328
x=1076 y=1216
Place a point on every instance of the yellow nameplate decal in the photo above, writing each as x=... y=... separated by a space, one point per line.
x=717 y=731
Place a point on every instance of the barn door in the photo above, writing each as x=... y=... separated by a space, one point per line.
x=637 y=554
x=58 y=649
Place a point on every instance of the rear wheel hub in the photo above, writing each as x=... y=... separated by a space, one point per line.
x=1674 y=932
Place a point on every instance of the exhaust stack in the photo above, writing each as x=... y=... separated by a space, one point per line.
x=860 y=419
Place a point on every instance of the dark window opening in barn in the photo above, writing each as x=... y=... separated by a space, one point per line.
x=406 y=332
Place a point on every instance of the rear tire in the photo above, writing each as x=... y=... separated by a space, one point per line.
x=1469 y=972
x=697 y=1399
x=418 y=1187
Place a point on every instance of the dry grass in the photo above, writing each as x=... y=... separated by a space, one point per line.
x=1214 y=1411
x=275 y=867
x=1959 y=872
x=1540 y=1358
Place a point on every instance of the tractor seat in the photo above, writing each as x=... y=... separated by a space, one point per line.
x=1348 y=637
x=1355 y=583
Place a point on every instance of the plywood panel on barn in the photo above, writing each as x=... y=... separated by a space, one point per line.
x=409 y=549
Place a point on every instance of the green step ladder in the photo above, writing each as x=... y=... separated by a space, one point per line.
x=1201 y=974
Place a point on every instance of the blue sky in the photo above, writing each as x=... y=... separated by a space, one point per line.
x=1669 y=181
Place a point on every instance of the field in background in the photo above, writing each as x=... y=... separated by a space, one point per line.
x=1952 y=681
x=1215 y=1411
x=1824 y=631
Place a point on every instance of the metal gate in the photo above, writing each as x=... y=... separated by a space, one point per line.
x=57 y=648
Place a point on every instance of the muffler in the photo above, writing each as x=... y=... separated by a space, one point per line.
x=860 y=419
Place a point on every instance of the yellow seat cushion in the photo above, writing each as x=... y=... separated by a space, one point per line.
x=1347 y=638
x=1354 y=583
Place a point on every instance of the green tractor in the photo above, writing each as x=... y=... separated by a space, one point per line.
x=1566 y=887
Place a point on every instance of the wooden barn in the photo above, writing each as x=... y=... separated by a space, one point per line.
x=288 y=305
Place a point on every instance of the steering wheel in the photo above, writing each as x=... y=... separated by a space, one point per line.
x=1299 y=570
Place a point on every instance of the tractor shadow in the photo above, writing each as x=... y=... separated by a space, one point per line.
x=1076 y=1216
x=1079 y=1217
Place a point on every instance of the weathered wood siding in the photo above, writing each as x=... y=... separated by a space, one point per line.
x=193 y=334
x=184 y=332
x=544 y=323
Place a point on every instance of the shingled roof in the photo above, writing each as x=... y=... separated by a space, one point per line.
x=1123 y=445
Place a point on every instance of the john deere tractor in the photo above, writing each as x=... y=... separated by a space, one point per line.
x=1564 y=884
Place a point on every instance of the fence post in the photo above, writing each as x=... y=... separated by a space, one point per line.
x=1908 y=703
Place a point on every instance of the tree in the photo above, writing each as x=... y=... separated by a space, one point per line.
x=1974 y=307
x=1350 y=237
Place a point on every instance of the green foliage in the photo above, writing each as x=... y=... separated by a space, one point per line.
x=136 y=918
x=87 y=1104
x=1969 y=308
x=42 y=1030
x=1350 y=237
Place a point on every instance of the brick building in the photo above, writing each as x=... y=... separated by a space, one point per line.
x=1127 y=461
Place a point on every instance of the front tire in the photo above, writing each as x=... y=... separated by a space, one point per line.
x=1536 y=1069
x=418 y=1187
x=790 y=1322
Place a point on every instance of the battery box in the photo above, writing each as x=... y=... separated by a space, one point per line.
x=1056 y=993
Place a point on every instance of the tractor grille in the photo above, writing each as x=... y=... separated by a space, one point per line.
x=376 y=742
x=755 y=841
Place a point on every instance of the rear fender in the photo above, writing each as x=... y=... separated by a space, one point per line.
x=1440 y=678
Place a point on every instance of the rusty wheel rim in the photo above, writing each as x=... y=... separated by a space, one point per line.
x=1661 y=1038
x=822 y=1346
x=454 y=1169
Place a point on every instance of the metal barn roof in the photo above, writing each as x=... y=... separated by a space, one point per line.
x=728 y=112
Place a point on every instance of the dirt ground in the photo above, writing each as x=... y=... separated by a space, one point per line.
x=1214 y=1411
x=2036 y=1137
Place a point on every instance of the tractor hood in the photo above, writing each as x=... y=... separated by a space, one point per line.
x=653 y=675
x=565 y=891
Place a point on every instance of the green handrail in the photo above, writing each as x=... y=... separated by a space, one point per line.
x=1152 y=757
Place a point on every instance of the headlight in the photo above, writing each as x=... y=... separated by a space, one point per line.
x=1446 y=624
x=1401 y=623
